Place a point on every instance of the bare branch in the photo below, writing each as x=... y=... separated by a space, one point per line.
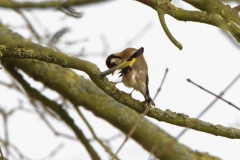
x=71 y=12
x=67 y=82
x=165 y=148
x=6 y=134
x=48 y=55
x=53 y=152
x=51 y=127
x=142 y=116
x=139 y=34
x=106 y=148
x=46 y=4
x=29 y=25
x=59 y=34
x=219 y=97
x=166 y=30
x=213 y=12
x=1 y=153
x=22 y=156
x=56 y=108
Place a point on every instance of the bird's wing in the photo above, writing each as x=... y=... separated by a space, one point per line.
x=128 y=62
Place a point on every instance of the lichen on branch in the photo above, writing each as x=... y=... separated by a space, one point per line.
x=212 y=12
x=34 y=51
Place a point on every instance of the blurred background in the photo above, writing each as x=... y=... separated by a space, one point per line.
x=210 y=57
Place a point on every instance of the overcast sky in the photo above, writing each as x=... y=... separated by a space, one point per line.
x=209 y=58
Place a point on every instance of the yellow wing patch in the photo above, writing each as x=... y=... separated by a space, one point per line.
x=122 y=65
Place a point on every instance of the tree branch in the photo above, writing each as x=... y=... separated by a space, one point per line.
x=213 y=13
x=54 y=107
x=83 y=92
x=168 y=33
x=217 y=7
x=46 y=4
x=29 y=25
x=105 y=147
x=48 y=55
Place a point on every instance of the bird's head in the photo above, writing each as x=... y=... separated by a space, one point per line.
x=117 y=58
x=113 y=60
x=122 y=60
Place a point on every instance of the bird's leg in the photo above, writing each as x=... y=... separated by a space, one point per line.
x=131 y=92
x=150 y=103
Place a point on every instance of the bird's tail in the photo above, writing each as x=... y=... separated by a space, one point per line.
x=150 y=101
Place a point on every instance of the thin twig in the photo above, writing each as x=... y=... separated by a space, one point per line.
x=160 y=87
x=70 y=12
x=56 y=37
x=160 y=153
x=1 y=153
x=105 y=44
x=166 y=30
x=55 y=108
x=142 y=116
x=114 y=137
x=231 y=104
x=29 y=25
x=53 y=152
x=6 y=133
x=22 y=156
x=45 y=4
x=153 y=149
x=134 y=127
x=107 y=149
x=140 y=34
x=42 y=115
x=11 y=85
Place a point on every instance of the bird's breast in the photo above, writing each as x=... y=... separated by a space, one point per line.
x=129 y=79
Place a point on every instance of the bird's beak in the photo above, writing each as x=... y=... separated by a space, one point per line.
x=107 y=72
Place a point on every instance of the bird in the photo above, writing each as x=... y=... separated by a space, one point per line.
x=133 y=70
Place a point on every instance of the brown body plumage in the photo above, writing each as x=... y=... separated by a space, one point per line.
x=135 y=73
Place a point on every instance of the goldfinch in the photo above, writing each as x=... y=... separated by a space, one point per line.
x=133 y=69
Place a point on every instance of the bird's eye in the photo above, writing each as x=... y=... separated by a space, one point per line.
x=110 y=60
x=114 y=64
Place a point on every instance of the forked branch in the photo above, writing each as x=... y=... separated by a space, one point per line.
x=213 y=12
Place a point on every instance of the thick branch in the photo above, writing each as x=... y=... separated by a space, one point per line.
x=48 y=55
x=213 y=13
x=217 y=7
x=84 y=92
x=33 y=93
